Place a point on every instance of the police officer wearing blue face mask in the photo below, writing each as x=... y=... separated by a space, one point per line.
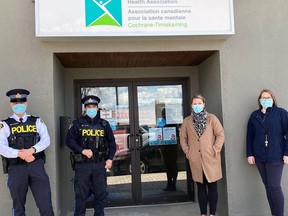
x=93 y=144
x=23 y=139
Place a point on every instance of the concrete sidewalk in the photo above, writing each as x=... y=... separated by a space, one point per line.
x=183 y=209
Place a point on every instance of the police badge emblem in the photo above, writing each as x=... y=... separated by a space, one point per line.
x=18 y=95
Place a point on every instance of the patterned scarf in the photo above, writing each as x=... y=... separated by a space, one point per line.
x=199 y=122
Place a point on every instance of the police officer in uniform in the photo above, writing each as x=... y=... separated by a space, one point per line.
x=23 y=139
x=169 y=155
x=93 y=144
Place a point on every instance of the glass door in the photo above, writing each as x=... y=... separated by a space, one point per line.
x=149 y=166
x=114 y=107
x=162 y=162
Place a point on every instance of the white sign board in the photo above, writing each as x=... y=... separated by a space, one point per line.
x=77 y=18
x=147 y=115
x=174 y=111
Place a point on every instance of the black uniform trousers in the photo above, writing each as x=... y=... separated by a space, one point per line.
x=90 y=175
x=170 y=157
x=33 y=174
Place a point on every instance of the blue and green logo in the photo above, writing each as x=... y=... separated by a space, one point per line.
x=103 y=12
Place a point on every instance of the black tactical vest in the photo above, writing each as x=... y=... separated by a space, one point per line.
x=22 y=135
x=91 y=136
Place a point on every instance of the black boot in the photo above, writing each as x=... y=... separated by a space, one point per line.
x=173 y=186
x=170 y=186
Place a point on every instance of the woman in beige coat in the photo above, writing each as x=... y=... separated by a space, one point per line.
x=202 y=138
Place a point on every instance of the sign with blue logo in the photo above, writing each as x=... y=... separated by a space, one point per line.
x=103 y=12
x=94 y=18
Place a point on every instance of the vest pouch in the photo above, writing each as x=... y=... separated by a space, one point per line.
x=13 y=142
x=36 y=139
x=92 y=144
x=20 y=144
x=83 y=142
x=103 y=148
x=29 y=142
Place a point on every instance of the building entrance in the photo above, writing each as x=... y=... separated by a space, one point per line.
x=149 y=166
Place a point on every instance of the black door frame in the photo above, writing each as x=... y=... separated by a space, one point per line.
x=132 y=85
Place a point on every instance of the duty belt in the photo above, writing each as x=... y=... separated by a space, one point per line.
x=18 y=161
x=79 y=158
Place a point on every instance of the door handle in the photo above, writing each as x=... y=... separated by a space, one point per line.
x=128 y=142
x=139 y=141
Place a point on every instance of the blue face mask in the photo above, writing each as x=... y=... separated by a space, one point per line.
x=197 y=108
x=265 y=103
x=92 y=112
x=19 y=108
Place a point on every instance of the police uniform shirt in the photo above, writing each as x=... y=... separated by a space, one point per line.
x=73 y=136
x=9 y=152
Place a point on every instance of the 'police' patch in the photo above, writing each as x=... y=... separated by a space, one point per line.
x=1 y=126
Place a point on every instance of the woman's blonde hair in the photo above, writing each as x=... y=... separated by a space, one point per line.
x=199 y=96
x=272 y=95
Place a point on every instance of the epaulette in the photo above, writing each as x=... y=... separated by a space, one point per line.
x=9 y=120
x=32 y=118
x=81 y=120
